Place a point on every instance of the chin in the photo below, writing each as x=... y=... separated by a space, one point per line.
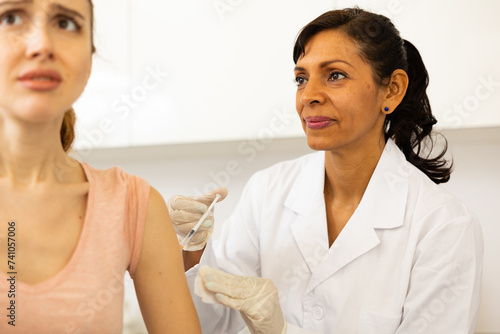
x=39 y=114
x=320 y=144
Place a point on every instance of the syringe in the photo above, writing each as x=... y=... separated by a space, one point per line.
x=198 y=224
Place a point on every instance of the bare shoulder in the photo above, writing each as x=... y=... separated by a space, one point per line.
x=156 y=205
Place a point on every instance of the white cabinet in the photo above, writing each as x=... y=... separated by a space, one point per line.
x=171 y=72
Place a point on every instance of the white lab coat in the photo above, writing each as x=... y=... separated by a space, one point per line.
x=409 y=259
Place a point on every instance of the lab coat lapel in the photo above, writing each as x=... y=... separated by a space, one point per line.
x=306 y=200
x=311 y=235
x=382 y=207
x=356 y=239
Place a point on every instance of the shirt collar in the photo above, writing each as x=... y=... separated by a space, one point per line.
x=384 y=201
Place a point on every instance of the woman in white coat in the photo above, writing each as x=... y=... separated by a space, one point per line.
x=358 y=237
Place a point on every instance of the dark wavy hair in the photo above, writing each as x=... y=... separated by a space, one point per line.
x=67 y=131
x=410 y=124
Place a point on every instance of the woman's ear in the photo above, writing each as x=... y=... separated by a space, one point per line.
x=396 y=90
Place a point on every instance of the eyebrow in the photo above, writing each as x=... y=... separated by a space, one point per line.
x=55 y=7
x=66 y=10
x=19 y=2
x=323 y=64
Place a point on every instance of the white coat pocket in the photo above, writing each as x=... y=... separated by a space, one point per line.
x=371 y=323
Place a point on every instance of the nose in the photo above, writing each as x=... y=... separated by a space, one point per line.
x=312 y=93
x=39 y=42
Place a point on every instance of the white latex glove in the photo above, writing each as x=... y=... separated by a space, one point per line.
x=186 y=211
x=256 y=298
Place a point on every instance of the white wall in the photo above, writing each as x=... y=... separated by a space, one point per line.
x=187 y=169
x=476 y=181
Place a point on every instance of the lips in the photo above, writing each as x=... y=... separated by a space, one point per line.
x=40 y=80
x=318 y=122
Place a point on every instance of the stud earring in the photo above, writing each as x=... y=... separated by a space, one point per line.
x=386 y=109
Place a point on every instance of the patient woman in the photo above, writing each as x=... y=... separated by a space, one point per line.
x=68 y=232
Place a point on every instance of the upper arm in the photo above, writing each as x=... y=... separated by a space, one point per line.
x=159 y=280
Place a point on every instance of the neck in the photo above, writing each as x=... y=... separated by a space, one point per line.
x=348 y=171
x=31 y=153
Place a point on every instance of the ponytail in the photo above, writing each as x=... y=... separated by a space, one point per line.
x=68 y=130
x=412 y=121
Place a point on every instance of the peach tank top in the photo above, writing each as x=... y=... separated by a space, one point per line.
x=87 y=295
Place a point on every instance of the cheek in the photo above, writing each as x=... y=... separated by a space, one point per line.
x=298 y=103
x=10 y=51
x=364 y=101
x=82 y=70
x=9 y=65
x=345 y=105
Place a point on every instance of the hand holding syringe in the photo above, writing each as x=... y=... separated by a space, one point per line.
x=186 y=212
x=200 y=221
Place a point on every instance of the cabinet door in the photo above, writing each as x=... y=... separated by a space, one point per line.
x=228 y=68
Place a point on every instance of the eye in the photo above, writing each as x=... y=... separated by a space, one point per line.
x=11 y=18
x=66 y=23
x=334 y=76
x=299 y=81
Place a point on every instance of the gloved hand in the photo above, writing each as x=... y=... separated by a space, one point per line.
x=256 y=298
x=186 y=211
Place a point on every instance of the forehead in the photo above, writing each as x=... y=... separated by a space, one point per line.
x=328 y=45
x=82 y=6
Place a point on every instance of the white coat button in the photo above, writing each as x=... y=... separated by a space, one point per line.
x=318 y=313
